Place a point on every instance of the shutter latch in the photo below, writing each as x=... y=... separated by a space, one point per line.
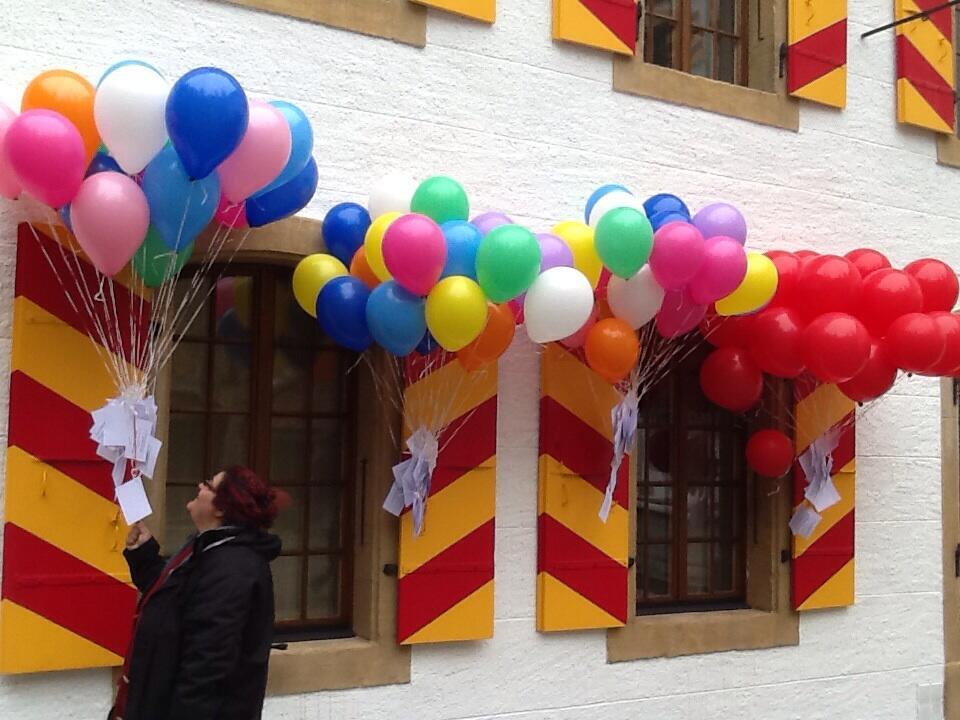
x=956 y=562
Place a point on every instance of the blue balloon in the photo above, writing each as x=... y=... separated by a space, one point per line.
x=285 y=200
x=597 y=194
x=663 y=203
x=342 y=312
x=64 y=213
x=301 y=148
x=207 y=115
x=102 y=163
x=396 y=318
x=428 y=344
x=179 y=208
x=344 y=229
x=463 y=240
x=662 y=218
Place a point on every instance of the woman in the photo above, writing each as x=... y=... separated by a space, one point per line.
x=204 y=623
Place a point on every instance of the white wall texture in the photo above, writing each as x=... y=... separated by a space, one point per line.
x=531 y=127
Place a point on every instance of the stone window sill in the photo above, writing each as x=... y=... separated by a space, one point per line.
x=948 y=150
x=336 y=665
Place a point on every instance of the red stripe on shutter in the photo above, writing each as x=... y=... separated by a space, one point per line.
x=816 y=55
x=822 y=560
x=913 y=66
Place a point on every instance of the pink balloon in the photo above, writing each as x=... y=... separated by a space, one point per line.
x=45 y=151
x=414 y=251
x=679 y=314
x=723 y=269
x=580 y=336
x=261 y=155
x=9 y=184
x=231 y=215
x=110 y=217
x=678 y=251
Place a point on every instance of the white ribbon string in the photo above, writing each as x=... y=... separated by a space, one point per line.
x=624 y=417
x=411 y=478
x=817 y=465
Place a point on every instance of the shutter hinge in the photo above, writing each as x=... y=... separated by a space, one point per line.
x=956 y=392
x=784 y=556
x=783 y=60
x=631 y=562
x=391 y=569
x=956 y=562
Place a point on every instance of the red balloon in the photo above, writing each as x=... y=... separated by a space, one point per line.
x=601 y=291
x=915 y=342
x=770 y=453
x=888 y=294
x=867 y=261
x=730 y=379
x=938 y=281
x=828 y=284
x=788 y=272
x=949 y=362
x=805 y=256
x=775 y=342
x=720 y=331
x=876 y=377
x=836 y=346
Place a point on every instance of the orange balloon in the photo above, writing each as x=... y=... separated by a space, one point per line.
x=360 y=269
x=493 y=341
x=612 y=349
x=69 y=94
x=602 y=308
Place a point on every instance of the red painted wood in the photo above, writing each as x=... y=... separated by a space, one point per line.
x=822 y=560
x=943 y=19
x=816 y=55
x=914 y=67
x=466 y=443
x=619 y=16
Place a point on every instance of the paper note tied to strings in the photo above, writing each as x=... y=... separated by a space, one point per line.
x=132 y=498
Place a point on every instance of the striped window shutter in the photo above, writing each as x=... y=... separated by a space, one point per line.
x=817 y=51
x=925 y=67
x=823 y=563
x=604 y=24
x=581 y=561
x=445 y=588
x=484 y=10
x=66 y=598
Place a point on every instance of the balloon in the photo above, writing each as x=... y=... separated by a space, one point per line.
x=284 y=201
x=600 y=292
x=612 y=349
x=721 y=220
x=102 y=163
x=949 y=362
x=806 y=254
x=179 y=208
x=730 y=379
x=262 y=154
x=64 y=213
x=554 y=252
x=414 y=251
x=636 y=300
x=733 y=331
x=456 y=312
x=516 y=307
x=344 y=229
x=665 y=203
x=577 y=339
x=678 y=251
x=342 y=312
x=788 y=274
x=597 y=194
x=658 y=220
x=886 y=295
x=373 y=244
x=938 y=282
x=758 y=287
x=508 y=262
x=391 y=194
x=493 y=341
x=624 y=239
x=835 y=347
x=775 y=342
x=155 y=263
x=723 y=269
x=611 y=201
x=46 y=154
x=770 y=453
x=828 y=283
x=579 y=238
x=130 y=113
x=359 y=268
x=70 y=95
x=485 y=222
x=9 y=183
x=301 y=145
x=230 y=215
x=120 y=64
x=310 y=275
x=110 y=217
x=207 y=113
x=441 y=199
x=557 y=304
x=463 y=241
x=874 y=379
x=679 y=314
x=396 y=318
x=867 y=261
x=427 y=345
x=914 y=342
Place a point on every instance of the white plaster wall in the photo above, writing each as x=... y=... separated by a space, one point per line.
x=531 y=127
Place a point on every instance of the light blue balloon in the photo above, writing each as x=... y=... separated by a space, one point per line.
x=597 y=194
x=301 y=147
x=463 y=240
x=179 y=208
x=396 y=318
x=120 y=64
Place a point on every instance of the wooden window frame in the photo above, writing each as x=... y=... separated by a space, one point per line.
x=950 y=508
x=948 y=146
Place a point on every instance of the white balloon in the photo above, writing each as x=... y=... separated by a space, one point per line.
x=130 y=112
x=392 y=193
x=637 y=300
x=611 y=201
x=557 y=304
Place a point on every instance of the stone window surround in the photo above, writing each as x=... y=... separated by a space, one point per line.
x=950 y=476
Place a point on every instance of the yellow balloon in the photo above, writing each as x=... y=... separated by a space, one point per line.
x=579 y=238
x=755 y=290
x=309 y=277
x=456 y=312
x=373 y=244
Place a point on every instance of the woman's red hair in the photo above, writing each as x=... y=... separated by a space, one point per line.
x=244 y=499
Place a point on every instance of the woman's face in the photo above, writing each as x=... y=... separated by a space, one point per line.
x=202 y=511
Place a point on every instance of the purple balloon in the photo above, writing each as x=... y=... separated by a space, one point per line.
x=554 y=252
x=485 y=222
x=721 y=219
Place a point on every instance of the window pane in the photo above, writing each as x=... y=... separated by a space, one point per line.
x=289 y=523
x=727 y=513
x=700 y=12
x=727 y=59
x=658 y=569
x=723 y=564
x=699 y=457
x=325 y=449
x=228 y=441
x=231 y=377
x=727 y=20
x=287 y=572
x=325 y=517
x=328 y=381
x=698 y=568
x=698 y=512
x=656 y=510
x=662 y=42
x=188 y=376
x=234 y=297
x=185 y=301
x=185 y=451
x=664 y=7
x=701 y=53
x=323 y=592
x=657 y=456
x=178 y=524
x=288 y=450
x=292 y=326
x=290 y=380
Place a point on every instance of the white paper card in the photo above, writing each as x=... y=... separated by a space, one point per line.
x=133 y=501
x=153 y=452
x=804 y=521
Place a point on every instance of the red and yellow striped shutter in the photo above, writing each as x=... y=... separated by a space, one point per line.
x=817 y=51
x=484 y=10
x=925 y=95
x=604 y=24
x=445 y=588
x=581 y=561
x=66 y=602
x=823 y=563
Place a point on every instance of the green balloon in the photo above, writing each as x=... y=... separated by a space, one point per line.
x=154 y=262
x=624 y=240
x=442 y=199
x=508 y=261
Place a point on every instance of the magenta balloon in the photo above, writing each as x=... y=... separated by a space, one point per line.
x=678 y=314
x=554 y=252
x=721 y=220
x=110 y=217
x=261 y=155
x=723 y=269
x=485 y=222
x=678 y=251
x=46 y=152
x=415 y=251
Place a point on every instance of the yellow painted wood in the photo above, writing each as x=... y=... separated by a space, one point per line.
x=574 y=23
x=927 y=38
x=469 y=619
x=835 y=592
x=831 y=89
x=445 y=395
x=845 y=483
x=579 y=389
x=811 y=16
x=819 y=411
x=913 y=109
x=561 y=608
x=484 y=10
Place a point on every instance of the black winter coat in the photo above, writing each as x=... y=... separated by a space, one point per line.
x=203 y=640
